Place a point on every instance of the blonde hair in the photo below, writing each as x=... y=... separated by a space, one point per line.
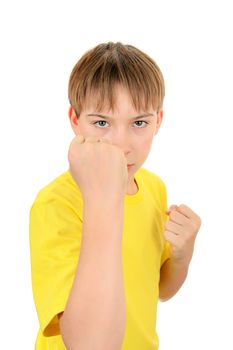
x=98 y=72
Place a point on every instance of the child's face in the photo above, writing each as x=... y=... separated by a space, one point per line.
x=133 y=136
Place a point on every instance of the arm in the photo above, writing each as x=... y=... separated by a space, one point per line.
x=180 y=231
x=172 y=276
x=95 y=314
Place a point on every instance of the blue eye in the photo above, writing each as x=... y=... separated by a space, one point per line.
x=100 y=121
x=103 y=121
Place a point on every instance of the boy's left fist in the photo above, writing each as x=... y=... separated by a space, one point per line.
x=181 y=230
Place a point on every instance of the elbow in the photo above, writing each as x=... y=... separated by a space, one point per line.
x=163 y=299
x=166 y=296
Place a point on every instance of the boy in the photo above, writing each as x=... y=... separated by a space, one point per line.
x=104 y=246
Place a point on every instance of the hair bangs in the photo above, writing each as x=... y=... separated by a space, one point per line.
x=95 y=78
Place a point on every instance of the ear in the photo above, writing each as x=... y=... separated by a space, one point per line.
x=71 y=112
x=73 y=120
x=159 y=121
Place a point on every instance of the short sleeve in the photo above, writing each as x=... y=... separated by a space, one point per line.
x=166 y=247
x=166 y=252
x=55 y=240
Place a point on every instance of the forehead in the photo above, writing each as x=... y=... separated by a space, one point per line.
x=120 y=101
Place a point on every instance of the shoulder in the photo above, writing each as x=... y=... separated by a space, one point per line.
x=60 y=191
x=55 y=217
x=155 y=188
x=152 y=179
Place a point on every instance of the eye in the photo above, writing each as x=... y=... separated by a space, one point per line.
x=100 y=121
x=141 y=121
x=103 y=121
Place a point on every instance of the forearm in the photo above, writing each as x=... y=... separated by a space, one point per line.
x=96 y=311
x=172 y=275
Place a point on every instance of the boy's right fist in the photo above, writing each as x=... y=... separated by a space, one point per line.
x=98 y=167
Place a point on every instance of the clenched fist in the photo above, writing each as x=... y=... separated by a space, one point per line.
x=181 y=230
x=98 y=167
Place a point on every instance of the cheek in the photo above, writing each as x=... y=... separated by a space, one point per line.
x=144 y=145
x=146 y=141
x=87 y=130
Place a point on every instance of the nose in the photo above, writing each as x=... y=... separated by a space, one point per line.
x=121 y=139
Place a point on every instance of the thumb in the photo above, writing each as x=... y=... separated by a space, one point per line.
x=172 y=207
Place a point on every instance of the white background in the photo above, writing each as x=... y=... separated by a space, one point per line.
x=192 y=43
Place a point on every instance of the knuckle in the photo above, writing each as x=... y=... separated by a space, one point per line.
x=182 y=206
x=199 y=220
x=92 y=139
x=173 y=214
x=193 y=227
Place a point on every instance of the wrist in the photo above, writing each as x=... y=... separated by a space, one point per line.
x=180 y=262
x=103 y=201
x=106 y=208
x=182 y=256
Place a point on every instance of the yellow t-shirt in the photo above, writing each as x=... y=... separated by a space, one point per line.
x=55 y=241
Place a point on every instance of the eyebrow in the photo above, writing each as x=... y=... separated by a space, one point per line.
x=107 y=117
